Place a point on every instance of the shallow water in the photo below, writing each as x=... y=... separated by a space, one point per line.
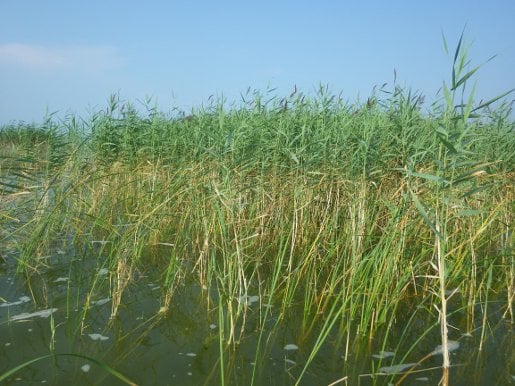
x=43 y=314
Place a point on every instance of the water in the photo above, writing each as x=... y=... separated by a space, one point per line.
x=44 y=313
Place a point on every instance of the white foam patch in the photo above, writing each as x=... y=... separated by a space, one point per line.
x=103 y=271
x=61 y=279
x=384 y=354
x=21 y=300
x=85 y=368
x=248 y=300
x=98 y=337
x=191 y=354
x=40 y=314
x=291 y=347
x=394 y=369
x=100 y=302
x=212 y=326
x=452 y=345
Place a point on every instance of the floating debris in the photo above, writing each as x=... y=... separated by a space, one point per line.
x=21 y=300
x=191 y=354
x=100 y=302
x=41 y=314
x=248 y=300
x=384 y=354
x=291 y=347
x=394 y=369
x=422 y=379
x=61 y=279
x=212 y=326
x=290 y=361
x=85 y=368
x=103 y=271
x=452 y=345
x=98 y=337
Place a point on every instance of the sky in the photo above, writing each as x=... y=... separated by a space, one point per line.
x=68 y=56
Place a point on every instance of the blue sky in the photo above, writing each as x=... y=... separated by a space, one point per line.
x=69 y=56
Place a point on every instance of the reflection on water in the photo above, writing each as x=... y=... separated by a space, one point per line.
x=47 y=313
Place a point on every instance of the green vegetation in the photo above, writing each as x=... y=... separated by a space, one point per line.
x=346 y=212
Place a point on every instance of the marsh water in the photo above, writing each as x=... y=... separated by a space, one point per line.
x=44 y=313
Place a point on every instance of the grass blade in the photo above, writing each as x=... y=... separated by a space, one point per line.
x=102 y=365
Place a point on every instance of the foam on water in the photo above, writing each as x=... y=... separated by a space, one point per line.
x=98 y=337
x=452 y=345
x=100 y=302
x=384 y=354
x=41 y=314
x=394 y=369
x=21 y=300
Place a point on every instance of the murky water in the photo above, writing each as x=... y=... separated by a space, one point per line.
x=44 y=314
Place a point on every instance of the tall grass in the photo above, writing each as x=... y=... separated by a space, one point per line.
x=344 y=211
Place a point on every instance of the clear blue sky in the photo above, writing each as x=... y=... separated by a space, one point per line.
x=69 y=56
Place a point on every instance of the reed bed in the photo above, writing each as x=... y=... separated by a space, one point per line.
x=346 y=212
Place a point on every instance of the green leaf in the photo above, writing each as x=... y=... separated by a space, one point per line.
x=10 y=372
x=448 y=145
x=294 y=157
x=475 y=190
x=444 y=43
x=424 y=215
x=448 y=97
x=456 y=54
x=493 y=100
x=458 y=47
x=426 y=176
x=465 y=78
x=468 y=107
